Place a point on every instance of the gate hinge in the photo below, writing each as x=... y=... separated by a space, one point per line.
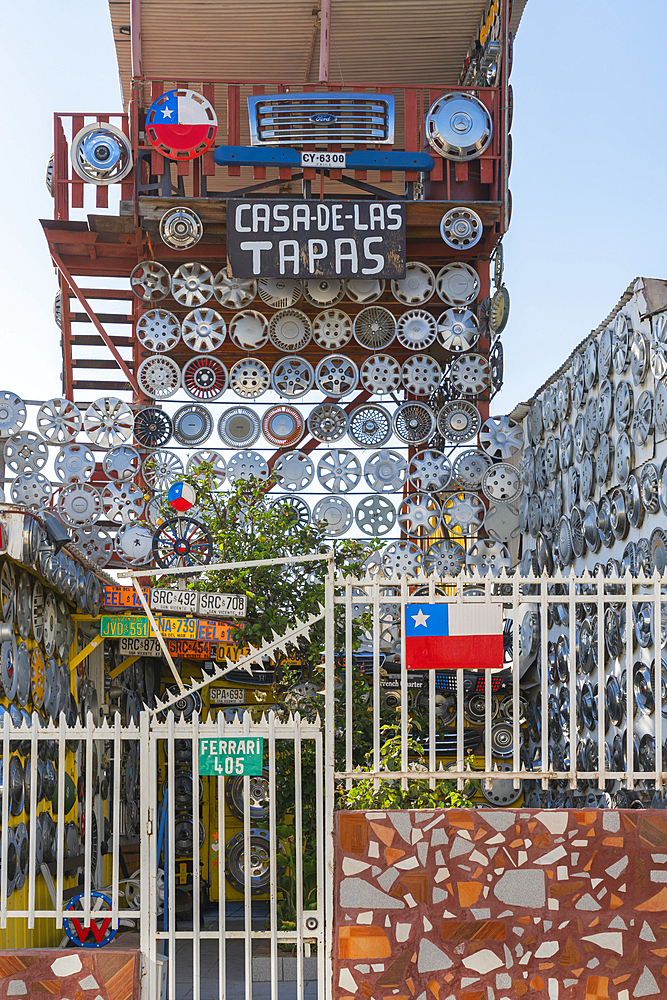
x=149 y=827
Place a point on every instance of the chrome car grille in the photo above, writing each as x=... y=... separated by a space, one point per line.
x=321 y=119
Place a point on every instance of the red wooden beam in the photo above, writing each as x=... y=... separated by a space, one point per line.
x=233 y=123
x=259 y=173
x=77 y=185
x=325 y=30
x=94 y=320
x=66 y=327
x=135 y=37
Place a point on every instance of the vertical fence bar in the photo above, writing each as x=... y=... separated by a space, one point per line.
x=5 y=816
x=657 y=684
x=76 y=187
x=222 y=917
x=207 y=161
x=233 y=122
x=298 y=850
x=319 y=846
x=329 y=768
x=170 y=874
x=88 y=813
x=32 y=877
x=146 y=810
x=196 y=868
x=349 y=722
x=629 y=706
x=488 y=753
x=60 y=831
x=151 y=757
x=247 y=899
x=404 y=685
x=544 y=676
x=432 y=735
x=516 y=705
x=460 y=732
x=115 y=857
x=600 y=679
x=573 y=682
x=376 y=675
x=273 y=843
x=459 y=725
x=102 y=190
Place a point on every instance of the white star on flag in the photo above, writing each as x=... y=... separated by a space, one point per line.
x=167 y=112
x=420 y=618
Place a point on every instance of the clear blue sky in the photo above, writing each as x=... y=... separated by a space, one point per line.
x=588 y=179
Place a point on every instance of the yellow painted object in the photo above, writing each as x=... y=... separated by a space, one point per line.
x=45 y=934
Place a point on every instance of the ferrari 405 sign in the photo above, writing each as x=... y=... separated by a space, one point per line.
x=231 y=756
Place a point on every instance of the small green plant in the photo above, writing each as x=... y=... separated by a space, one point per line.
x=411 y=793
x=286 y=860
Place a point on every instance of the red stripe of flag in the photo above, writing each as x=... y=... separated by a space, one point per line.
x=454 y=652
x=180 y=136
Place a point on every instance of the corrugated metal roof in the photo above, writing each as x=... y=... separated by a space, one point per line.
x=396 y=42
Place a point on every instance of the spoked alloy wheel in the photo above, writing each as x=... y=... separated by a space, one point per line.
x=182 y=541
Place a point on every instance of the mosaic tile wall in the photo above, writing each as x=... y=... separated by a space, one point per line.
x=492 y=904
x=75 y=974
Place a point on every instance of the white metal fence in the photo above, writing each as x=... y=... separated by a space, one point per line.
x=579 y=704
x=148 y=901
x=47 y=853
x=586 y=643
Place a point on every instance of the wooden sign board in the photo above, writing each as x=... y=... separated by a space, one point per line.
x=312 y=239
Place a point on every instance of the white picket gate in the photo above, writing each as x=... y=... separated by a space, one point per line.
x=212 y=940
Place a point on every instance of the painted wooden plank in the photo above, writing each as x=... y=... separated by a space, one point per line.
x=233 y=123
x=77 y=185
x=207 y=161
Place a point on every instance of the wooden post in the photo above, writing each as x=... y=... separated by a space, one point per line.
x=325 y=30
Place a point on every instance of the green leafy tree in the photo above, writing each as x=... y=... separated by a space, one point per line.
x=247 y=523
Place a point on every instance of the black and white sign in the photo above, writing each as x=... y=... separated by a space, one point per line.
x=227 y=696
x=222 y=605
x=132 y=646
x=184 y=601
x=324 y=159
x=306 y=239
x=196 y=602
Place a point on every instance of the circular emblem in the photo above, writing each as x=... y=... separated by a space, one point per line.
x=181 y=124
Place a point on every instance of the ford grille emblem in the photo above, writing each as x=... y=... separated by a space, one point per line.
x=325 y=118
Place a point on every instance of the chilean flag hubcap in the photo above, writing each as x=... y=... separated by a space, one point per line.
x=181 y=124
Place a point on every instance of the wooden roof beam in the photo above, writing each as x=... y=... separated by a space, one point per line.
x=325 y=31
x=135 y=38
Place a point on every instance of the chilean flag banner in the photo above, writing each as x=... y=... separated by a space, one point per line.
x=453 y=636
x=181 y=124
